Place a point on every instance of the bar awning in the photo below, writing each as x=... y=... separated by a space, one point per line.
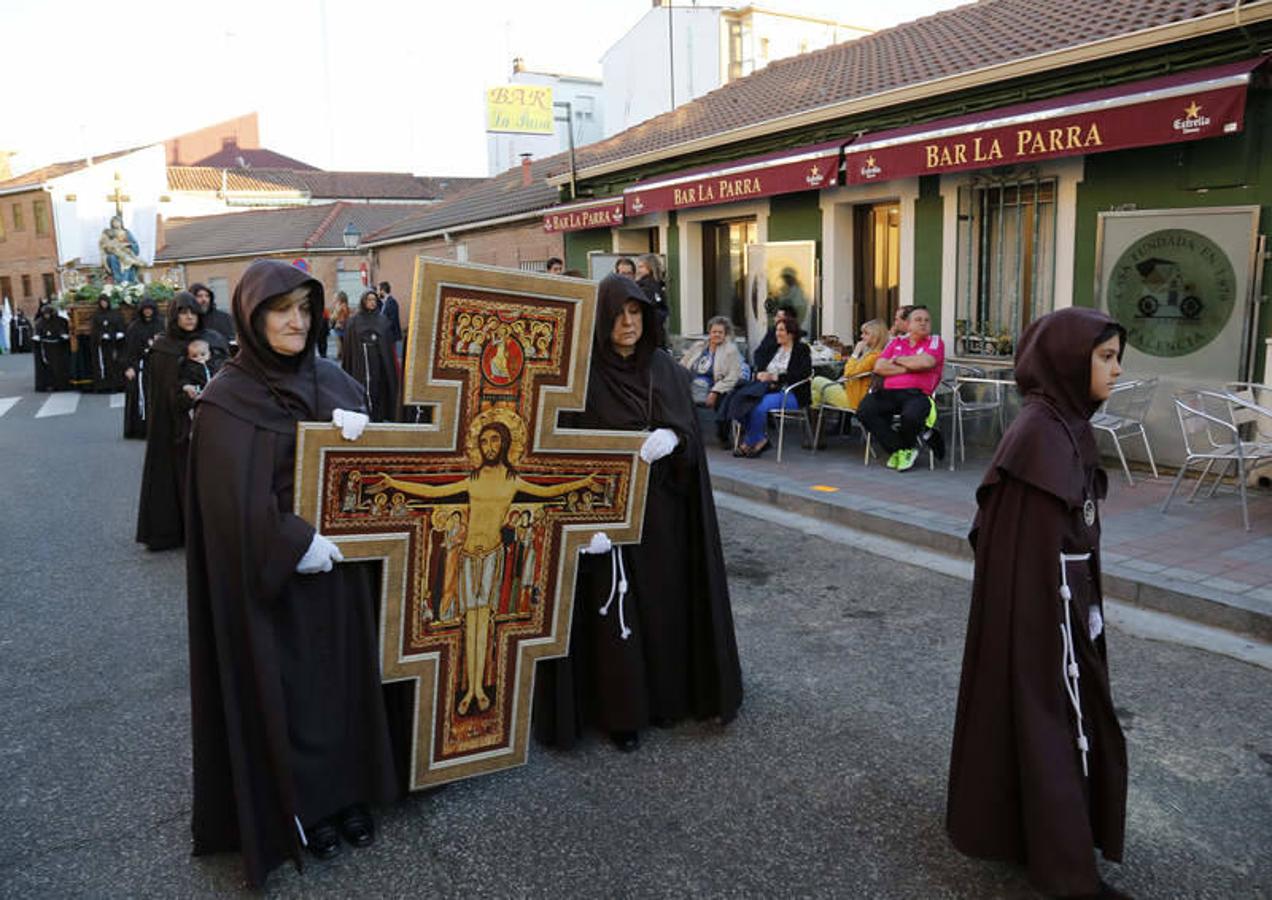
x=604 y=213
x=785 y=172
x=1185 y=106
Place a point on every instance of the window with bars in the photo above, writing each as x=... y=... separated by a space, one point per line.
x=1006 y=261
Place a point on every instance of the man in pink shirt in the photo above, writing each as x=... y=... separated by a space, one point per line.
x=911 y=368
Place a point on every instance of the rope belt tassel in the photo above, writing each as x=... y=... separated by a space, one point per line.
x=1069 y=662
x=618 y=585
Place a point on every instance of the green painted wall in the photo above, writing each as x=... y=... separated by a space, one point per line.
x=1229 y=171
x=929 y=227
x=579 y=243
x=796 y=217
x=672 y=252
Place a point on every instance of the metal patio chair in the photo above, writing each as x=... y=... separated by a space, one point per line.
x=782 y=414
x=974 y=392
x=1210 y=434
x=843 y=411
x=1122 y=416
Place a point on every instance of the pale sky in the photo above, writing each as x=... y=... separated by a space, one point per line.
x=389 y=85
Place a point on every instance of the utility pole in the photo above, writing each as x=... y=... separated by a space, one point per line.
x=671 y=52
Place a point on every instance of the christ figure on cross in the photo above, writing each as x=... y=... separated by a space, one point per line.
x=491 y=489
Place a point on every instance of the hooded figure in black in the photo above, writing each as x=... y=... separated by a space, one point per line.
x=159 y=516
x=107 y=347
x=680 y=659
x=289 y=724
x=214 y=319
x=368 y=357
x=1038 y=768
x=19 y=333
x=143 y=330
x=52 y=339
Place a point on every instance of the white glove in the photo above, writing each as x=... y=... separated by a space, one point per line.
x=320 y=556
x=659 y=443
x=599 y=544
x=350 y=423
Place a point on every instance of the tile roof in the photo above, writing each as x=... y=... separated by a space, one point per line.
x=37 y=177
x=317 y=184
x=315 y=227
x=491 y=198
x=256 y=157
x=946 y=44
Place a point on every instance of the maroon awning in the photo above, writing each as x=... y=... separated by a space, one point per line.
x=1185 y=106
x=802 y=169
x=604 y=213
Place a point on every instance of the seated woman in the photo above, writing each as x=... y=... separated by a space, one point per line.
x=847 y=391
x=715 y=364
x=792 y=363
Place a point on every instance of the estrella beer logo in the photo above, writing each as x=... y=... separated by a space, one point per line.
x=637 y=204
x=870 y=170
x=815 y=176
x=1193 y=120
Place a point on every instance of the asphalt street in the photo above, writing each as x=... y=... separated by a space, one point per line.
x=830 y=783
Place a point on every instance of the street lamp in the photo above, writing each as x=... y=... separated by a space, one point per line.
x=351 y=236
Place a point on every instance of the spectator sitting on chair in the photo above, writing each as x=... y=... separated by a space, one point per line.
x=768 y=344
x=848 y=391
x=715 y=364
x=911 y=369
x=791 y=363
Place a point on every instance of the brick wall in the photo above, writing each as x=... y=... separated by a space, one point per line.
x=507 y=246
x=23 y=251
x=322 y=266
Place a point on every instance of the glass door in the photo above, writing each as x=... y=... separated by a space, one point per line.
x=724 y=271
x=876 y=262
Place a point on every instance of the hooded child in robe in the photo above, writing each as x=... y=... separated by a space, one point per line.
x=141 y=333
x=1038 y=767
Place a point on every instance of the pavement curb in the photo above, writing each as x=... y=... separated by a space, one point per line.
x=1194 y=602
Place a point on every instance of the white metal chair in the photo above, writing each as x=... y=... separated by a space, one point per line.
x=799 y=414
x=1122 y=416
x=841 y=410
x=923 y=444
x=1210 y=434
x=973 y=392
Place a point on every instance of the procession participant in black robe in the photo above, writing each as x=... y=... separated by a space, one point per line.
x=52 y=338
x=159 y=517
x=1038 y=768
x=289 y=725
x=20 y=332
x=368 y=357
x=106 y=343
x=680 y=658
x=217 y=320
x=137 y=341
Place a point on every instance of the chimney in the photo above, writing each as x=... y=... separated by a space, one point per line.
x=518 y=65
x=159 y=235
x=6 y=171
x=526 y=179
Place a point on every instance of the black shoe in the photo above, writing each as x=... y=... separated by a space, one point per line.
x=934 y=441
x=357 y=827
x=324 y=839
x=625 y=741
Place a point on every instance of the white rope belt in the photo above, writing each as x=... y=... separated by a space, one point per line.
x=618 y=584
x=1069 y=663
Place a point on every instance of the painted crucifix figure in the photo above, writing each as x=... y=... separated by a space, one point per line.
x=477 y=516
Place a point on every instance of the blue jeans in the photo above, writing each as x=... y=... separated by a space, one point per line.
x=757 y=420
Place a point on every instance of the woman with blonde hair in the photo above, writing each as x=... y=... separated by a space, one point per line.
x=847 y=391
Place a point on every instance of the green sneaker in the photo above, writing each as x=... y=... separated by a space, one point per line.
x=892 y=460
x=905 y=459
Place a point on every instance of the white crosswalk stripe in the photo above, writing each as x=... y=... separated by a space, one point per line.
x=61 y=404
x=116 y=401
x=7 y=403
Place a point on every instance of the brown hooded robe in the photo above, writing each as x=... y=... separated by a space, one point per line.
x=288 y=719
x=1016 y=788
x=681 y=658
